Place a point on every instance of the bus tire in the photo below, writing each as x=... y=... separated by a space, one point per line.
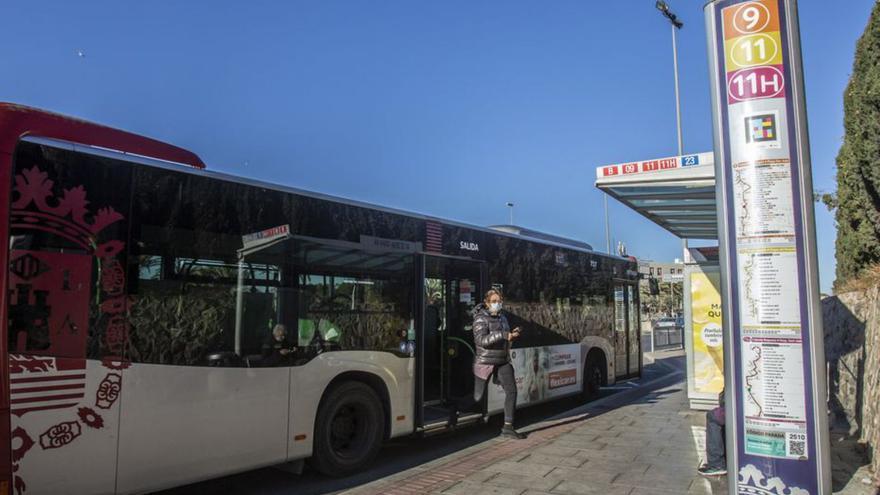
x=594 y=375
x=349 y=429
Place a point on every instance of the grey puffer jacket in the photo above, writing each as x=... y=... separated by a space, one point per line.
x=490 y=336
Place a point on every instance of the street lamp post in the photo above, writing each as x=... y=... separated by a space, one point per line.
x=510 y=205
x=676 y=25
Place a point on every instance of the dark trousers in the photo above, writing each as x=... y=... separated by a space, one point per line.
x=508 y=383
x=715 y=456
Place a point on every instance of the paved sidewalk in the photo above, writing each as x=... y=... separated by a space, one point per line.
x=639 y=441
x=618 y=446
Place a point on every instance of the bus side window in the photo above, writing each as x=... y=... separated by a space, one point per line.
x=353 y=310
x=196 y=302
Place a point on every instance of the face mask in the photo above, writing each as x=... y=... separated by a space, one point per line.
x=495 y=307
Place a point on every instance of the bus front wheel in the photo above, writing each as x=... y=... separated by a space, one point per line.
x=349 y=430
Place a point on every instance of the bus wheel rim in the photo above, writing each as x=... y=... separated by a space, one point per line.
x=346 y=430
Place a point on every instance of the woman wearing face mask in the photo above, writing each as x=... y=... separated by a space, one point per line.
x=492 y=337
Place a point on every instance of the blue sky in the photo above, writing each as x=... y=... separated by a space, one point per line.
x=447 y=108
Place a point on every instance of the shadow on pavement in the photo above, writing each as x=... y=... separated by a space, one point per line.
x=405 y=453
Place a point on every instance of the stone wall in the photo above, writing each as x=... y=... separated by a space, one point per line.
x=852 y=349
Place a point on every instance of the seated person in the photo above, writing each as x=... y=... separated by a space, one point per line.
x=277 y=348
x=716 y=457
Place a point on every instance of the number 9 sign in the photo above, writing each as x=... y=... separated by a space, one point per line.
x=752 y=17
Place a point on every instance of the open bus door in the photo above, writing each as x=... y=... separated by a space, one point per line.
x=627 y=343
x=451 y=288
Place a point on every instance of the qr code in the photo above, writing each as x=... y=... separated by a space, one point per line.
x=797 y=445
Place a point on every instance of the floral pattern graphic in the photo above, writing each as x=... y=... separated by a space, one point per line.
x=60 y=435
x=90 y=418
x=26 y=443
x=108 y=391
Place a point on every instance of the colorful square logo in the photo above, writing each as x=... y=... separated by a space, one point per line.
x=761 y=128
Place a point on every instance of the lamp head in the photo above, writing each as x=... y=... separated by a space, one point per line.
x=663 y=7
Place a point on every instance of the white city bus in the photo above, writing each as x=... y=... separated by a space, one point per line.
x=144 y=291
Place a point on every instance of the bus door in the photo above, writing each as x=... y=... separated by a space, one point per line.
x=452 y=288
x=621 y=331
x=634 y=333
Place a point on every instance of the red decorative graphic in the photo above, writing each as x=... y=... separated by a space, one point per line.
x=50 y=299
x=27 y=267
x=50 y=315
x=60 y=435
x=109 y=249
x=69 y=326
x=30 y=364
x=56 y=383
x=117 y=332
x=34 y=186
x=115 y=305
x=26 y=443
x=20 y=487
x=108 y=391
x=113 y=278
x=40 y=306
x=90 y=418
x=115 y=363
x=433 y=237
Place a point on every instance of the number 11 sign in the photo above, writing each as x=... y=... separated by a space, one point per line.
x=777 y=426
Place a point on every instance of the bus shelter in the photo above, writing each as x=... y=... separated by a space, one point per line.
x=678 y=194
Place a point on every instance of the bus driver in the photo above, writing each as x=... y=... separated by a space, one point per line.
x=277 y=348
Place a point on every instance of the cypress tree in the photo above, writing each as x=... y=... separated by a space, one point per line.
x=858 y=162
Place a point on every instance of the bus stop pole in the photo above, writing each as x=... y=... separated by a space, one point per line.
x=775 y=383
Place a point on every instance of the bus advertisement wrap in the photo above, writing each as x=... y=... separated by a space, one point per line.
x=541 y=373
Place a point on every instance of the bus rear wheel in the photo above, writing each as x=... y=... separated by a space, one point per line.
x=594 y=376
x=349 y=430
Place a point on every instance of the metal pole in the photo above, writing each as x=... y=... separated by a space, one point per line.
x=677 y=100
x=607 y=227
x=239 y=305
